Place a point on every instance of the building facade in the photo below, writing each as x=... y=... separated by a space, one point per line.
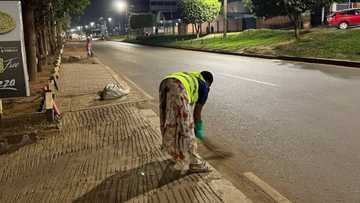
x=236 y=9
x=139 y=6
x=165 y=9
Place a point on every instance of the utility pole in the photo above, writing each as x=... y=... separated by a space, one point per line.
x=225 y=17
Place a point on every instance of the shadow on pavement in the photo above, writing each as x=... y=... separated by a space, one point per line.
x=126 y=185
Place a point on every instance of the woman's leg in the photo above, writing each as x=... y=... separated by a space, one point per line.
x=162 y=105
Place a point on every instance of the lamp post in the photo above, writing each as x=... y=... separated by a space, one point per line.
x=92 y=24
x=110 y=26
x=225 y=17
x=121 y=6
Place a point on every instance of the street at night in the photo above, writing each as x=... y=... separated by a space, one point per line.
x=185 y=101
x=293 y=124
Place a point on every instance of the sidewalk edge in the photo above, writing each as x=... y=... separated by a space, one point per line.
x=274 y=194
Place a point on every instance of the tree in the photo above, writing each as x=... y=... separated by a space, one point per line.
x=294 y=9
x=44 y=20
x=29 y=36
x=199 y=11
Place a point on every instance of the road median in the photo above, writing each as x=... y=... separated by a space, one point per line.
x=319 y=46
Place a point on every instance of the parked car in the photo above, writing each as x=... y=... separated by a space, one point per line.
x=345 y=18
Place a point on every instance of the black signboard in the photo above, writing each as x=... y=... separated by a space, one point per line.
x=12 y=82
x=13 y=71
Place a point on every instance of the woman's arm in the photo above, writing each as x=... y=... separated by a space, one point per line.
x=198 y=127
x=197 y=112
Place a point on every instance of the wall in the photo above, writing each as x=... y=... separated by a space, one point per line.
x=234 y=25
x=280 y=22
x=275 y=22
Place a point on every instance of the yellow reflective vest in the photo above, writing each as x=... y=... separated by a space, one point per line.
x=190 y=82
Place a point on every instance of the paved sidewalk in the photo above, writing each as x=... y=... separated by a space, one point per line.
x=105 y=152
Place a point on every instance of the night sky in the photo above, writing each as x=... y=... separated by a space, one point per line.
x=104 y=8
x=96 y=9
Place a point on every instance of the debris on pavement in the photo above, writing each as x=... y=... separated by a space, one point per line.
x=112 y=91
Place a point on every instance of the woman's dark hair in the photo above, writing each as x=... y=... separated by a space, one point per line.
x=207 y=76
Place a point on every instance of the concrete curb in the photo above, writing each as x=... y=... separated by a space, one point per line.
x=275 y=195
x=52 y=90
x=229 y=192
x=345 y=63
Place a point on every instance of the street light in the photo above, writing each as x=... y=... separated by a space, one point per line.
x=109 y=19
x=92 y=24
x=120 y=5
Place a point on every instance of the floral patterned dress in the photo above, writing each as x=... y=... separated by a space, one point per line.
x=177 y=122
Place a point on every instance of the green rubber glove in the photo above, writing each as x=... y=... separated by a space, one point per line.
x=199 y=130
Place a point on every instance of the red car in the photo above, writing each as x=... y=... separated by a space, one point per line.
x=344 y=19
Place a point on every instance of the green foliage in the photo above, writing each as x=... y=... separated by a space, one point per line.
x=75 y=7
x=58 y=8
x=199 y=11
x=141 y=21
x=248 y=4
x=268 y=8
x=322 y=43
x=294 y=9
x=325 y=43
x=69 y=7
x=233 y=42
x=271 y=8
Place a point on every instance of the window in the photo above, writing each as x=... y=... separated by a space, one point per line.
x=163 y=3
x=349 y=13
x=157 y=3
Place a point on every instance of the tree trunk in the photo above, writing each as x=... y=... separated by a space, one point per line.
x=296 y=19
x=39 y=52
x=51 y=34
x=297 y=31
x=51 y=39
x=298 y=26
x=46 y=44
x=59 y=37
x=29 y=35
x=43 y=45
x=197 y=29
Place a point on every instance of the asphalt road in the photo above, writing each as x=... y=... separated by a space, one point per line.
x=295 y=125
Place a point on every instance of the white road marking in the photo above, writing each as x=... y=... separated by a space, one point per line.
x=248 y=79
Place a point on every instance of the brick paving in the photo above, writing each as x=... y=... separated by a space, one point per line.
x=82 y=83
x=103 y=153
